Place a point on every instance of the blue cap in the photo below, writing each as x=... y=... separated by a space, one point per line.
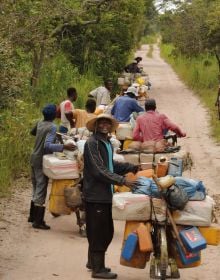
x=49 y=111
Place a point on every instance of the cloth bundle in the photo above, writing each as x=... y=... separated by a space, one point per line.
x=194 y=188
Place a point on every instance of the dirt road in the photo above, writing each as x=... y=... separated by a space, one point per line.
x=29 y=254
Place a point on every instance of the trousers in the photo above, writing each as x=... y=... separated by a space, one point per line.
x=39 y=184
x=99 y=226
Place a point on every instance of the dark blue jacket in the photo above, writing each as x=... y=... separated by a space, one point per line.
x=97 y=179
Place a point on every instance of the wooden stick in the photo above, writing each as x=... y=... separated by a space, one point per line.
x=171 y=217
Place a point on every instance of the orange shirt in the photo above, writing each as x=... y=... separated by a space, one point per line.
x=81 y=117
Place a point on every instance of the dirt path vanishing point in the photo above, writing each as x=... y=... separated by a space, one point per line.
x=28 y=254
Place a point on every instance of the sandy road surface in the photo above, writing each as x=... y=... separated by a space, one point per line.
x=28 y=254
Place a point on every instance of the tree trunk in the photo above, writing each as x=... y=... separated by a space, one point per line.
x=37 y=63
x=218 y=59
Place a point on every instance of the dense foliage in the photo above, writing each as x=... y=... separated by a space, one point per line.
x=200 y=74
x=193 y=28
x=191 y=43
x=49 y=45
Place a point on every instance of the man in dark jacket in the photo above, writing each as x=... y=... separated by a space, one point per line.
x=101 y=172
x=132 y=67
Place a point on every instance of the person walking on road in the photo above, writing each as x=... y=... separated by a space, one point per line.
x=45 y=132
x=101 y=172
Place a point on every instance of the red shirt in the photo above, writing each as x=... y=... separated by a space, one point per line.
x=151 y=126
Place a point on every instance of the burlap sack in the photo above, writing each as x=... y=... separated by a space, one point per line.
x=148 y=146
x=135 y=145
x=73 y=196
x=160 y=145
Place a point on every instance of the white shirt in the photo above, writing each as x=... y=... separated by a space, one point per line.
x=65 y=107
x=102 y=95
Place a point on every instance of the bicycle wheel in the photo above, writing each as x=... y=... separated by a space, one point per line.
x=163 y=253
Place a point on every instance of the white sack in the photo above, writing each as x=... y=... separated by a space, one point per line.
x=196 y=213
x=56 y=168
x=129 y=206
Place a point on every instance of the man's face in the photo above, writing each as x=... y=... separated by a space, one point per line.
x=109 y=86
x=104 y=126
x=73 y=98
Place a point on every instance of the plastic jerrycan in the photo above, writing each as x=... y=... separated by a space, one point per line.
x=144 y=238
x=130 y=246
x=162 y=167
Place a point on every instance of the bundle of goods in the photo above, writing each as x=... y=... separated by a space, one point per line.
x=73 y=195
x=137 y=245
x=150 y=152
x=115 y=143
x=136 y=207
x=187 y=198
x=194 y=189
x=60 y=167
x=124 y=131
x=185 y=156
x=81 y=133
x=187 y=251
x=149 y=146
x=57 y=201
x=129 y=78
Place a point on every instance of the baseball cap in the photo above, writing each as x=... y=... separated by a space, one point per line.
x=133 y=90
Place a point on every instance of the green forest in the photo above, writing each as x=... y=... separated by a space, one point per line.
x=48 y=45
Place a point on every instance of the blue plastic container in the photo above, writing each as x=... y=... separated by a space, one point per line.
x=192 y=239
x=129 y=246
x=175 y=167
x=189 y=257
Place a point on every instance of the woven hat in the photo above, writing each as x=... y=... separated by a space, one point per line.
x=91 y=124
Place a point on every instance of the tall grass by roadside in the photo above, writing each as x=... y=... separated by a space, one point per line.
x=16 y=143
x=200 y=74
x=59 y=74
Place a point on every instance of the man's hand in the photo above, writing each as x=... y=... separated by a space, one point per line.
x=132 y=184
x=69 y=147
x=136 y=169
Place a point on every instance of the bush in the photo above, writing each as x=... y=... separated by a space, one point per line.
x=201 y=74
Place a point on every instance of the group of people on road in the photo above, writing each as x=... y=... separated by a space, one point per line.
x=100 y=172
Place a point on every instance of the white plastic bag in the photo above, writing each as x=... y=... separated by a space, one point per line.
x=70 y=154
x=196 y=213
x=130 y=207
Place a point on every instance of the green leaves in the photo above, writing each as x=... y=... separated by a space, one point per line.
x=193 y=28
